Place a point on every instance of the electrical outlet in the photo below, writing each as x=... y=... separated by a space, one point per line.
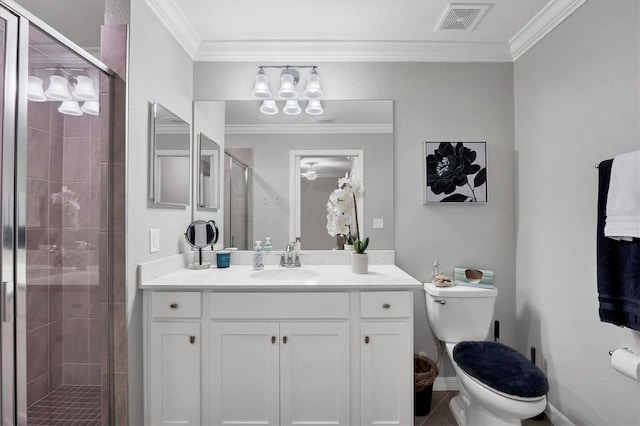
x=154 y=240
x=378 y=223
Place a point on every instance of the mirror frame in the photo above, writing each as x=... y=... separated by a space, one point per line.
x=215 y=185
x=153 y=188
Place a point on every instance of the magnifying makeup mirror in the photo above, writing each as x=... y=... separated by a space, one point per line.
x=201 y=234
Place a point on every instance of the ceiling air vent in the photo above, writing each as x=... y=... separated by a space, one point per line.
x=462 y=16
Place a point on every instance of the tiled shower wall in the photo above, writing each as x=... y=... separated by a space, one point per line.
x=66 y=308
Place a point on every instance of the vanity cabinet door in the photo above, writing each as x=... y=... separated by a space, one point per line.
x=314 y=373
x=174 y=373
x=244 y=373
x=386 y=373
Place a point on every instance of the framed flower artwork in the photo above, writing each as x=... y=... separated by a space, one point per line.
x=455 y=172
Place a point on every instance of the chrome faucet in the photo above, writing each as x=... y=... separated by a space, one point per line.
x=290 y=258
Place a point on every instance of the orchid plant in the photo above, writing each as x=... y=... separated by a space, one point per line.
x=69 y=201
x=341 y=207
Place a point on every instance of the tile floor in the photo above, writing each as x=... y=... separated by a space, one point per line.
x=441 y=416
x=68 y=405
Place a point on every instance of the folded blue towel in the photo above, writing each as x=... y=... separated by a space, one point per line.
x=618 y=266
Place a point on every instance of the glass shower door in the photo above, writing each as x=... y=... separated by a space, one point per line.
x=54 y=228
x=8 y=72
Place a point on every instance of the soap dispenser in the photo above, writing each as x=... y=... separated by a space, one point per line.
x=267 y=244
x=257 y=256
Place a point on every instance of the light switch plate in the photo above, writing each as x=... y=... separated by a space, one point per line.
x=154 y=240
x=378 y=223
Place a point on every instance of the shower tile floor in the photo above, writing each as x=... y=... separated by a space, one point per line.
x=68 y=405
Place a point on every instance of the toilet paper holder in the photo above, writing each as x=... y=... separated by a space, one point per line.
x=612 y=351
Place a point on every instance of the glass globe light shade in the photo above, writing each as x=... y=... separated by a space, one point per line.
x=269 y=107
x=313 y=89
x=58 y=89
x=292 y=107
x=70 y=108
x=84 y=90
x=287 y=86
x=35 y=92
x=314 y=107
x=91 y=107
x=261 y=89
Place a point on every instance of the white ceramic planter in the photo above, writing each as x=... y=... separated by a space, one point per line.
x=359 y=263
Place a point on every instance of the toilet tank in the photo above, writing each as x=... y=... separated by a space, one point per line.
x=458 y=313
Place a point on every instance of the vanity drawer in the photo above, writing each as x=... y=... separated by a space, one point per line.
x=176 y=304
x=385 y=304
x=279 y=305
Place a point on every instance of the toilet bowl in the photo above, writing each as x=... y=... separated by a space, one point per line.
x=458 y=314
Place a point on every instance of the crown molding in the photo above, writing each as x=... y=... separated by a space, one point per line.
x=542 y=24
x=352 y=51
x=302 y=129
x=171 y=16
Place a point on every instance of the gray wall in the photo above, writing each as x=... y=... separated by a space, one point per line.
x=166 y=78
x=432 y=101
x=576 y=103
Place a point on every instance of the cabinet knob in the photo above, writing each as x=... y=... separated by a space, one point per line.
x=386 y=306
x=192 y=339
x=366 y=340
x=173 y=306
x=273 y=339
x=284 y=340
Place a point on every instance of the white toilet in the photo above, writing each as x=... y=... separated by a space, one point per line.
x=464 y=314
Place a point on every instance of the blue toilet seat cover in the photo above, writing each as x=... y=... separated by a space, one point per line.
x=502 y=368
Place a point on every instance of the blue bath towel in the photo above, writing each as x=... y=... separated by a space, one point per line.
x=618 y=267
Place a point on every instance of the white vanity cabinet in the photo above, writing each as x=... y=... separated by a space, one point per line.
x=174 y=351
x=279 y=373
x=385 y=368
x=279 y=357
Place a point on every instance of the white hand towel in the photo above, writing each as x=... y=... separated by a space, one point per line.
x=623 y=199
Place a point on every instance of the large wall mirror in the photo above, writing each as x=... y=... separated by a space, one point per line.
x=208 y=173
x=169 y=157
x=283 y=168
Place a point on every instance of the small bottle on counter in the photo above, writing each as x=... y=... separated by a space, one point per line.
x=257 y=256
x=297 y=246
x=267 y=244
x=436 y=270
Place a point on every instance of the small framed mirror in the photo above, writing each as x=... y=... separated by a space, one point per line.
x=169 y=158
x=208 y=173
x=200 y=234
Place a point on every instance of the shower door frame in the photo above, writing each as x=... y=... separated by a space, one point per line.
x=7 y=309
x=14 y=193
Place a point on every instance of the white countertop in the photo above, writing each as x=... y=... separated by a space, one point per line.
x=319 y=277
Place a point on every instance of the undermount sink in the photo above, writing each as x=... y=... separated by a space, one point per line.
x=285 y=274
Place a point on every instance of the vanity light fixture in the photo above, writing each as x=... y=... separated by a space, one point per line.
x=70 y=108
x=289 y=78
x=35 y=90
x=84 y=90
x=91 y=107
x=269 y=107
x=292 y=107
x=314 y=107
x=58 y=89
x=261 y=88
x=311 y=174
x=313 y=89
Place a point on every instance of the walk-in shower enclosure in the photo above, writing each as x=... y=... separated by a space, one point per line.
x=55 y=298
